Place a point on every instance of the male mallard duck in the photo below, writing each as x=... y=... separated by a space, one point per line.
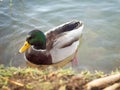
x=56 y=47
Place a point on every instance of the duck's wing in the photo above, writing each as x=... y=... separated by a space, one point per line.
x=70 y=30
x=64 y=40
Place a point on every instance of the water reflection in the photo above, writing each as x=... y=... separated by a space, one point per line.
x=100 y=46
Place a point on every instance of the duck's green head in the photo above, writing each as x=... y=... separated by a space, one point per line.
x=36 y=39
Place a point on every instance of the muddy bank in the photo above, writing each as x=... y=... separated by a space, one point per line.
x=12 y=78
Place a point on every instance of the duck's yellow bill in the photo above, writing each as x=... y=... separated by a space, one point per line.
x=24 y=47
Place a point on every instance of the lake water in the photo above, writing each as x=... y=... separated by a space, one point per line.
x=100 y=48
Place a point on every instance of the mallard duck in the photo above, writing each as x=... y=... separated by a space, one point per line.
x=56 y=47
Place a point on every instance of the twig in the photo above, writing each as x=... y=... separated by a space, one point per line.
x=103 y=82
x=113 y=87
x=13 y=82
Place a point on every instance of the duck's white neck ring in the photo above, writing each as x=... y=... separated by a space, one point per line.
x=38 y=49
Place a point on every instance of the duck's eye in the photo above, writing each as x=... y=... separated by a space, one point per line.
x=28 y=38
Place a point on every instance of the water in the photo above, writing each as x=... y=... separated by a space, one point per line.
x=100 y=48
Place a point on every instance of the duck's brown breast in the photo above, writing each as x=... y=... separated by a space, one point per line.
x=38 y=57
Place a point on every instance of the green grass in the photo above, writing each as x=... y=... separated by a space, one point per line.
x=12 y=78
